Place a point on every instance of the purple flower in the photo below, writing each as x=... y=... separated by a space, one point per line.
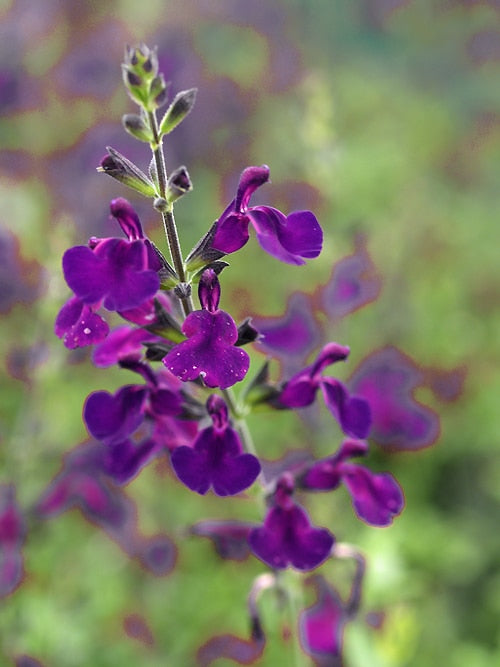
x=210 y=350
x=387 y=379
x=115 y=419
x=122 y=343
x=121 y=274
x=322 y=625
x=78 y=325
x=377 y=497
x=292 y=336
x=12 y=531
x=111 y=418
x=352 y=412
x=354 y=282
x=216 y=458
x=288 y=238
x=287 y=537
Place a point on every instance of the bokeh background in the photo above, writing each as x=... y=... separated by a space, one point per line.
x=382 y=116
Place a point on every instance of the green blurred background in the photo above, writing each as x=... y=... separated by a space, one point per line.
x=382 y=116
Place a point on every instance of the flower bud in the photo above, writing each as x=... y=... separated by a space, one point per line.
x=158 y=92
x=178 y=110
x=137 y=127
x=118 y=167
x=178 y=184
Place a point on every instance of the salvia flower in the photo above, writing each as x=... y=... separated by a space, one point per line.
x=377 y=497
x=352 y=412
x=210 y=350
x=287 y=536
x=322 y=625
x=137 y=422
x=78 y=325
x=121 y=274
x=216 y=458
x=291 y=239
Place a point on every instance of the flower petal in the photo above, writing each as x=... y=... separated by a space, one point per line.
x=377 y=498
x=353 y=413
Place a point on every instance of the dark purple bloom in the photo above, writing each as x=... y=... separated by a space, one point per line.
x=230 y=538
x=352 y=412
x=387 y=380
x=354 y=282
x=210 y=350
x=377 y=497
x=121 y=274
x=12 y=532
x=216 y=458
x=288 y=238
x=322 y=625
x=111 y=418
x=78 y=325
x=287 y=537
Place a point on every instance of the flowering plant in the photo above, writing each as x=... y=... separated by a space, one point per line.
x=186 y=361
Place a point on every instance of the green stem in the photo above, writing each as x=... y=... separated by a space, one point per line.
x=293 y=589
x=168 y=215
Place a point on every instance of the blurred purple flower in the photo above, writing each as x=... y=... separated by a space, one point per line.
x=230 y=538
x=354 y=282
x=377 y=497
x=12 y=534
x=136 y=627
x=242 y=651
x=352 y=412
x=27 y=661
x=19 y=279
x=88 y=69
x=387 y=380
x=291 y=337
x=287 y=238
x=210 y=350
x=287 y=536
x=82 y=483
x=216 y=458
x=322 y=625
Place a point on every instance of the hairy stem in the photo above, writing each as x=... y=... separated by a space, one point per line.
x=168 y=215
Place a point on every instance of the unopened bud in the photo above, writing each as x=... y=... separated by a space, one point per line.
x=158 y=91
x=178 y=184
x=137 y=127
x=182 y=290
x=118 y=167
x=178 y=110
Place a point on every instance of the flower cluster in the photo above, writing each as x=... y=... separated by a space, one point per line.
x=188 y=359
